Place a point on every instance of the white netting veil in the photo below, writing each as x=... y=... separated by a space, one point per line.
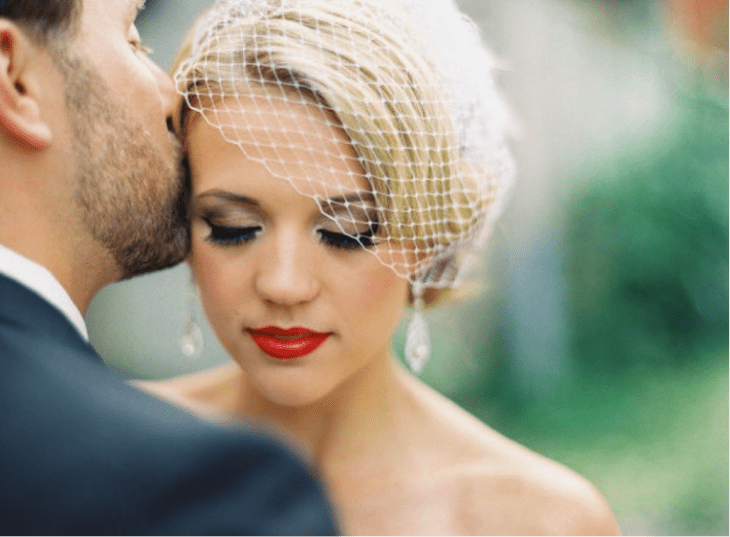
x=398 y=92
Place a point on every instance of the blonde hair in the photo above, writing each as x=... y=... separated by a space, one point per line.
x=386 y=96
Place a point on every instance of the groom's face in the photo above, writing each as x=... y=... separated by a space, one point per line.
x=128 y=172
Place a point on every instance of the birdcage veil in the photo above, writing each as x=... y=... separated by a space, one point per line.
x=404 y=87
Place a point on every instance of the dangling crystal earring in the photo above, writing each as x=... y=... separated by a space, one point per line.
x=192 y=337
x=418 y=340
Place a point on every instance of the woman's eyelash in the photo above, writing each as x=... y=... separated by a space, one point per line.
x=233 y=236
x=349 y=242
x=230 y=236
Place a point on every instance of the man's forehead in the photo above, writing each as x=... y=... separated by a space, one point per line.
x=100 y=10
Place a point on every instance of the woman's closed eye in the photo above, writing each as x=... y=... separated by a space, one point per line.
x=232 y=234
x=225 y=235
x=335 y=239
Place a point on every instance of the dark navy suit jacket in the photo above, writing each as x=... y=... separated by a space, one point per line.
x=82 y=452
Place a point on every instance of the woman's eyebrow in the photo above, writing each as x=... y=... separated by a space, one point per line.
x=228 y=196
x=347 y=199
x=358 y=202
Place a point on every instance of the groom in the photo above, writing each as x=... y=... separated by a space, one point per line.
x=90 y=193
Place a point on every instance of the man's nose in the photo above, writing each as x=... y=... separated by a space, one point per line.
x=168 y=95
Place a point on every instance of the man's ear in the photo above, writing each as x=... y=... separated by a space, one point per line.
x=20 y=106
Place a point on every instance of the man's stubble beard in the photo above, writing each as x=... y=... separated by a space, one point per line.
x=133 y=199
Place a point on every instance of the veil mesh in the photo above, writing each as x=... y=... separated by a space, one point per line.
x=400 y=92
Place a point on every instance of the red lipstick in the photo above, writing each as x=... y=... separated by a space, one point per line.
x=287 y=344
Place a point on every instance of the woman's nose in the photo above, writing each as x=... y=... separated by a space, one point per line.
x=287 y=275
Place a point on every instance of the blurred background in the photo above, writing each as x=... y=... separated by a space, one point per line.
x=600 y=338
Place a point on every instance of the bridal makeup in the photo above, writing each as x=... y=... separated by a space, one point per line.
x=287 y=344
x=286 y=268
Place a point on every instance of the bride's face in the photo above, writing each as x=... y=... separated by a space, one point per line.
x=300 y=305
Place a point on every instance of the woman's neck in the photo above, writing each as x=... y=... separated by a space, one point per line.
x=349 y=424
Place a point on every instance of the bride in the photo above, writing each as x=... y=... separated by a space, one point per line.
x=347 y=160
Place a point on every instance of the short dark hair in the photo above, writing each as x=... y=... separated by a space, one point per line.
x=45 y=20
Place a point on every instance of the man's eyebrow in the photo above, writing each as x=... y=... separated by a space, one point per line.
x=134 y=8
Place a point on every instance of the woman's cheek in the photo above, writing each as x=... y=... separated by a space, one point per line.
x=383 y=294
x=215 y=288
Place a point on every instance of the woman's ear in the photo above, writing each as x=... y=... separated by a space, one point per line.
x=20 y=105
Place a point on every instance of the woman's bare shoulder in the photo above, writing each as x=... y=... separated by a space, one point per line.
x=504 y=487
x=529 y=494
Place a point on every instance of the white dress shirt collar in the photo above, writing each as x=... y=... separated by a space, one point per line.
x=39 y=279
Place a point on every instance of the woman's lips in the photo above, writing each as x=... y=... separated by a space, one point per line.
x=287 y=344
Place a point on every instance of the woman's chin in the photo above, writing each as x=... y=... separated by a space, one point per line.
x=291 y=394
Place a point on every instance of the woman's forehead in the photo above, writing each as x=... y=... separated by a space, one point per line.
x=295 y=140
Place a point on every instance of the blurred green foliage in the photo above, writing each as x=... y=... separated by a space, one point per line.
x=643 y=414
x=655 y=445
x=647 y=247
